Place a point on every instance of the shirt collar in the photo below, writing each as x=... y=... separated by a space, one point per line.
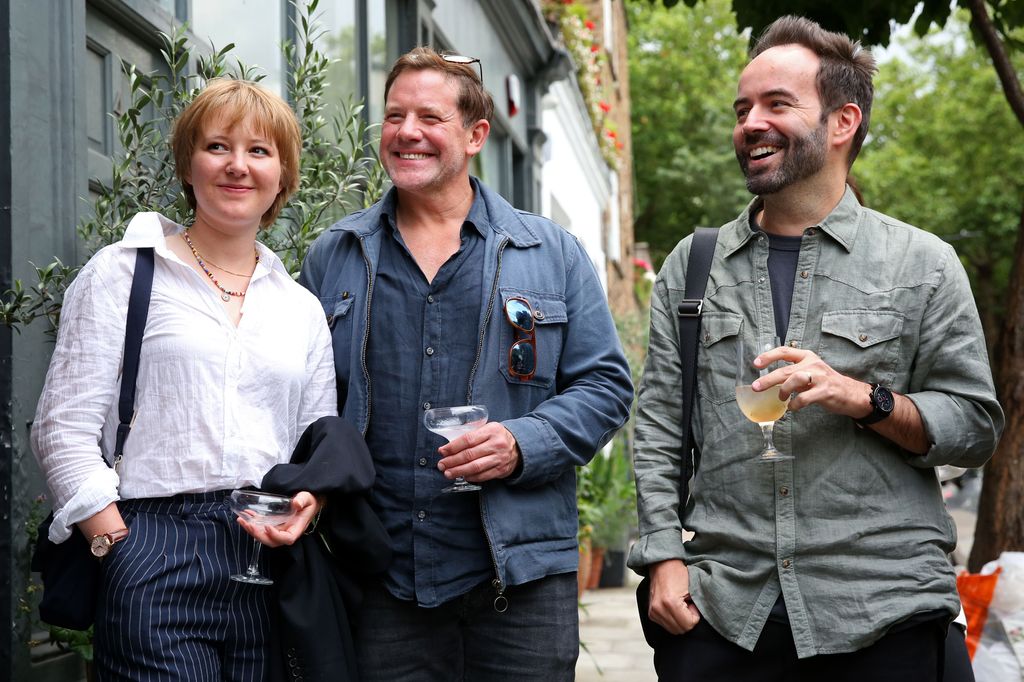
x=842 y=224
x=477 y=217
x=151 y=229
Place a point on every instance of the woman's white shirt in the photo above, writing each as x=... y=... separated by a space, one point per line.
x=216 y=405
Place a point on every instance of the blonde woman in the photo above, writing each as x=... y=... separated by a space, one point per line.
x=236 y=362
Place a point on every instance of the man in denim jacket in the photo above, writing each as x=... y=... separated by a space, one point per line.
x=832 y=565
x=439 y=295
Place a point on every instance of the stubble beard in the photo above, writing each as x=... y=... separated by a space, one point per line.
x=804 y=156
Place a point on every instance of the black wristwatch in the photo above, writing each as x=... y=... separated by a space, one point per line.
x=882 y=404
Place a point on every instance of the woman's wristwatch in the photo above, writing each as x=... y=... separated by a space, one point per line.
x=100 y=544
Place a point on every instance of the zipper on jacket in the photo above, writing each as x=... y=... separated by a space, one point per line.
x=366 y=335
x=500 y=601
x=483 y=327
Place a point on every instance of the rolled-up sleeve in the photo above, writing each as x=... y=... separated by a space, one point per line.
x=658 y=441
x=951 y=383
x=80 y=388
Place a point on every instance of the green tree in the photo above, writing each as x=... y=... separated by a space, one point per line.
x=998 y=27
x=682 y=71
x=931 y=160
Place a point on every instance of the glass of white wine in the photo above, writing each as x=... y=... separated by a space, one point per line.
x=450 y=423
x=763 y=407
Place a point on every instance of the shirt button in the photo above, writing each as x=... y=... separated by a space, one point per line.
x=786 y=563
x=429 y=351
x=421 y=515
x=430 y=298
x=426 y=406
x=760 y=280
x=863 y=338
x=784 y=491
x=538 y=314
x=805 y=274
x=793 y=344
x=811 y=231
x=423 y=463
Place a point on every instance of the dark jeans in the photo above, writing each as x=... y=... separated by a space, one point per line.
x=536 y=638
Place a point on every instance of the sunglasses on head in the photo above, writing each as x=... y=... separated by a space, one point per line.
x=462 y=59
x=522 y=356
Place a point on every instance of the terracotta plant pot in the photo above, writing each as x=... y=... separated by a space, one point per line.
x=596 y=566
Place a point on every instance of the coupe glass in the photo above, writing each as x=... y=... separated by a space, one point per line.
x=450 y=423
x=764 y=407
x=261 y=509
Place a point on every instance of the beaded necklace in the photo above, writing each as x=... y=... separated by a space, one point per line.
x=225 y=294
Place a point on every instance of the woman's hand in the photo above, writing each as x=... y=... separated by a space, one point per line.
x=305 y=506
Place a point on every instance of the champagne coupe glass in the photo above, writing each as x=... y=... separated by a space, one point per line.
x=450 y=423
x=764 y=407
x=261 y=509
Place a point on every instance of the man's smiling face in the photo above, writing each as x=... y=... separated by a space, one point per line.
x=780 y=137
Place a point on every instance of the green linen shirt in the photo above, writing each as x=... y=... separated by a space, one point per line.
x=853 y=531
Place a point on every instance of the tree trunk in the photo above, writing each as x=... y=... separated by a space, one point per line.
x=1000 y=525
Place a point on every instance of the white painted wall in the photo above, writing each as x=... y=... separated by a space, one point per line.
x=575 y=180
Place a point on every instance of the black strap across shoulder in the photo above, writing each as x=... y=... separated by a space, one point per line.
x=702 y=251
x=138 y=313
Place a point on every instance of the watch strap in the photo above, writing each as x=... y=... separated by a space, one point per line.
x=877 y=413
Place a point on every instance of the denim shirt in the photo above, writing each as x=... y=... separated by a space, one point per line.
x=578 y=398
x=853 y=532
x=422 y=351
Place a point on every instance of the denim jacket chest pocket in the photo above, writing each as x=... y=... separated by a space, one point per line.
x=863 y=344
x=338 y=312
x=716 y=363
x=549 y=323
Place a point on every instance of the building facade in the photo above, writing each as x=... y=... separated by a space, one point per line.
x=61 y=77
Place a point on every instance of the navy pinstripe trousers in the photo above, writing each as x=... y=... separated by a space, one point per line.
x=168 y=609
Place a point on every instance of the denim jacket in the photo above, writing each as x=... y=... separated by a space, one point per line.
x=578 y=398
x=853 y=531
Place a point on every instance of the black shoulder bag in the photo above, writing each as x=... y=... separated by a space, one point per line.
x=689 y=310
x=69 y=571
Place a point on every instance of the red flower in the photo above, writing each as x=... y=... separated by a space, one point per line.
x=641 y=263
x=619 y=145
x=589 y=24
x=595 y=47
x=611 y=134
x=605 y=107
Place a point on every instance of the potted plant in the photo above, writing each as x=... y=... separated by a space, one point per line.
x=613 y=499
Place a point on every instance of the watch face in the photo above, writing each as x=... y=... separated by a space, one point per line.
x=100 y=546
x=883 y=399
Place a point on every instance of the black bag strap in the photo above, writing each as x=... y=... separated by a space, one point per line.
x=698 y=267
x=138 y=313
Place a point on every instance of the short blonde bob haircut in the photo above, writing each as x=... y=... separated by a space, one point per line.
x=237 y=101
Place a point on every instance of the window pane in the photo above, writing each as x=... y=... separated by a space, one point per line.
x=377 y=31
x=337 y=19
x=254 y=26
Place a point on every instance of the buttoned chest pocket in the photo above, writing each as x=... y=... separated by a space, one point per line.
x=863 y=344
x=716 y=357
x=338 y=309
x=549 y=320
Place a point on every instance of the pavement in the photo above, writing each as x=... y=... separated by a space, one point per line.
x=612 y=646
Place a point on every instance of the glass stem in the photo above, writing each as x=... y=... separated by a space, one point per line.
x=767 y=429
x=254 y=568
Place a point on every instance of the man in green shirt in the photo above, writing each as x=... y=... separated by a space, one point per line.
x=832 y=565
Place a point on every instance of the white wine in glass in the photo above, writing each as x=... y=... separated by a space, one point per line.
x=450 y=423
x=761 y=407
